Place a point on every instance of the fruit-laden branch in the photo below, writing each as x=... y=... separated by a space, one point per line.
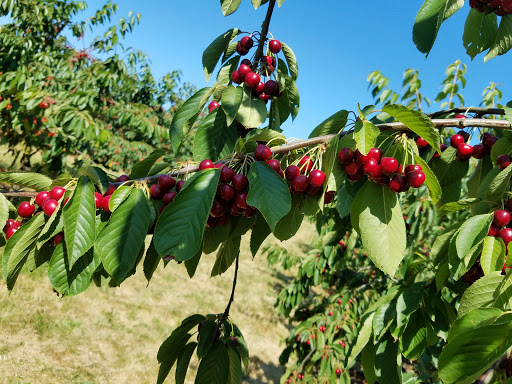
x=264 y=31
x=397 y=126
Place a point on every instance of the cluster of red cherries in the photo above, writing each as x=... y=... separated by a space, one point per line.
x=500 y=220
x=464 y=150
x=244 y=73
x=499 y=7
x=381 y=170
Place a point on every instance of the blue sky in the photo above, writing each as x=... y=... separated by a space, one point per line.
x=337 y=44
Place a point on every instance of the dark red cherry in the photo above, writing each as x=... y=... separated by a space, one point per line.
x=479 y=151
x=98 y=200
x=226 y=174
x=206 y=164
x=166 y=183
x=42 y=197
x=415 y=178
x=241 y=200
x=292 y=171
x=412 y=167
x=421 y=142
x=300 y=183
x=274 y=164
x=179 y=185
x=169 y=197
x=316 y=178
x=345 y=156
x=397 y=183
x=389 y=165
x=352 y=168
x=505 y=234
x=240 y=182
x=501 y=218
x=155 y=192
x=226 y=192
x=262 y=152
x=50 y=206
x=455 y=140
x=305 y=164
x=503 y=161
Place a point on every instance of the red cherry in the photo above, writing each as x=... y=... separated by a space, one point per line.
x=258 y=90
x=455 y=140
x=56 y=193
x=352 y=168
x=25 y=209
x=98 y=200
x=206 y=164
x=460 y=117
x=360 y=158
x=235 y=210
x=252 y=79
x=338 y=372
x=10 y=231
x=166 y=183
x=274 y=164
x=389 y=165
x=479 y=151
x=300 y=183
x=241 y=200
x=316 y=178
x=179 y=185
x=490 y=141
x=243 y=70
x=223 y=220
x=329 y=197
x=122 y=179
x=357 y=176
x=240 y=182
x=236 y=78
x=226 y=174
x=218 y=208
x=464 y=152
x=262 y=152
x=42 y=197
x=493 y=230
x=50 y=206
x=371 y=167
x=264 y=97
x=501 y=218
x=292 y=171
x=412 y=167
x=503 y=161
x=9 y=223
x=376 y=153
x=226 y=192
x=110 y=190
x=345 y=156
x=155 y=192
x=397 y=183
x=271 y=88
x=249 y=212
x=415 y=178
x=246 y=42
x=508 y=205
x=169 y=197
x=105 y=203
x=58 y=238
x=421 y=142
x=505 y=234
x=213 y=105
x=274 y=46
x=241 y=50
x=485 y=136
x=246 y=62
x=305 y=164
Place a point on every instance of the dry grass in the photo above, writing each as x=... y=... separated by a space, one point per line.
x=112 y=335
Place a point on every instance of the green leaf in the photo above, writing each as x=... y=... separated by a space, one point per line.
x=186 y=116
x=377 y=216
x=492 y=291
x=501 y=147
x=214 y=368
x=456 y=206
x=368 y=363
x=363 y=336
x=414 y=338
x=343 y=202
x=493 y=254
x=430 y=180
x=257 y=3
x=191 y=264
x=470 y=353
x=479 y=32
x=206 y=337
x=235 y=366
x=499 y=185
x=228 y=252
x=269 y=193
x=26 y=180
x=473 y=319
x=388 y=362
x=503 y=41
x=230 y=102
x=472 y=232
x=18 y=248
x=291 y=60
x=333 y=124
x=228 y=7
x=119 y=195
x=79 y=216
x=212 y=54
x=183 y=362
x=252 y=111
x=5 y=207
x=172 y=346
x=408 y=302
x=508 y=114
x=288 y=226
x=143 y=168
x=417 y=122
x=180 y=227
x=365 y=134
x=260 y=232
x=214 y=139
x=98 y=177
x=38 y=257
x=428 y=21
x=120 y=241
x=71 y=281
x=151 y=261
x=265 y=134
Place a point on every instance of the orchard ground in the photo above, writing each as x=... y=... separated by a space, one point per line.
x=110 y=335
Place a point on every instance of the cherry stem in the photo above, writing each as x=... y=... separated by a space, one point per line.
x=232 y=297
x=263 y=35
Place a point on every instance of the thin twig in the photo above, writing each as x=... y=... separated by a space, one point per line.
x=263 y=35
x=484 y=111
x=232 y=297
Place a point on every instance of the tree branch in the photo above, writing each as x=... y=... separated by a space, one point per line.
x=263 y=35
x=482 y=111
x=225 y=315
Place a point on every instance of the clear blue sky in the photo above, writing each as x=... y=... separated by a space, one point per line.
x=337 y=44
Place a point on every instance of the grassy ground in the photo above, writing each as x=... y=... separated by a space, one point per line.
x=112 y=335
